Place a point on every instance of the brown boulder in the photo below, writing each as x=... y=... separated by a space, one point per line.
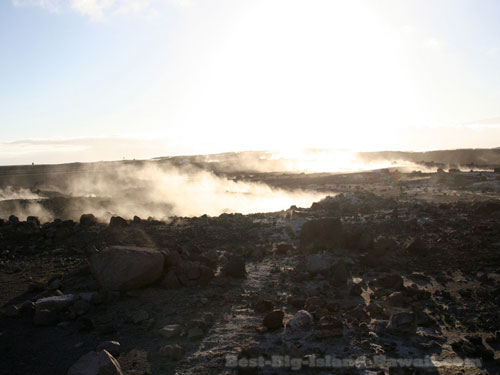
x=126 y=267
x=88 y=220
x=274 y=320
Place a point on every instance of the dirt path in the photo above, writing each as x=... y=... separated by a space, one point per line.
x=236 y=327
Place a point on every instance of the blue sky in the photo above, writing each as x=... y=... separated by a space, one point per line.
x=84 y=80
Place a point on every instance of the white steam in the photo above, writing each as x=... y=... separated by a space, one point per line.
x=161 y=192
x=10 y=193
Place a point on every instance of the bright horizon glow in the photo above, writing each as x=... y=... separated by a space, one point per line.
x=89 y=80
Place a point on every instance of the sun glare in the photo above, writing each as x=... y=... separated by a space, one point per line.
x=329 y=74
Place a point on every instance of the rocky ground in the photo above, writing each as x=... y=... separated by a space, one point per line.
x=399 y=274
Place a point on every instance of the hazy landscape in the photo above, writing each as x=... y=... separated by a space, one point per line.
x=249 y=187
x=262 y=258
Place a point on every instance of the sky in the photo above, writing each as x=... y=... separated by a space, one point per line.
x=88 y=80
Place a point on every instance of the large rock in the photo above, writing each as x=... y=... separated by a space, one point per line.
x=320 y=234
x=126 y=267
x=88 y=220
x=96 y=363
x=118 y=222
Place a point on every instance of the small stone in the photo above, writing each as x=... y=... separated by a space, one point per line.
x=301 y=320
x=298 y=303
x=274 y=320
x=59 y=302
x=313 y=303
x=170 y=331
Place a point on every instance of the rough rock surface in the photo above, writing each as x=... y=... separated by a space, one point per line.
x=96 y=363
x=126 y=267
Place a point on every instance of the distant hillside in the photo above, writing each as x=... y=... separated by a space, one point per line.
x=477 y=157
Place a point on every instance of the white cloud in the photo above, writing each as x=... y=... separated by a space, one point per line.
x=95 y=9
x=50 y=5
x=102 y=9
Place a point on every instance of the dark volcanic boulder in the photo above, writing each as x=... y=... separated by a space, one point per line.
x=274 y=320
x=117 y=222
x=321 y=234
x=33 y=220
x=126 y=267
x=88 y=220
x=13 y=219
